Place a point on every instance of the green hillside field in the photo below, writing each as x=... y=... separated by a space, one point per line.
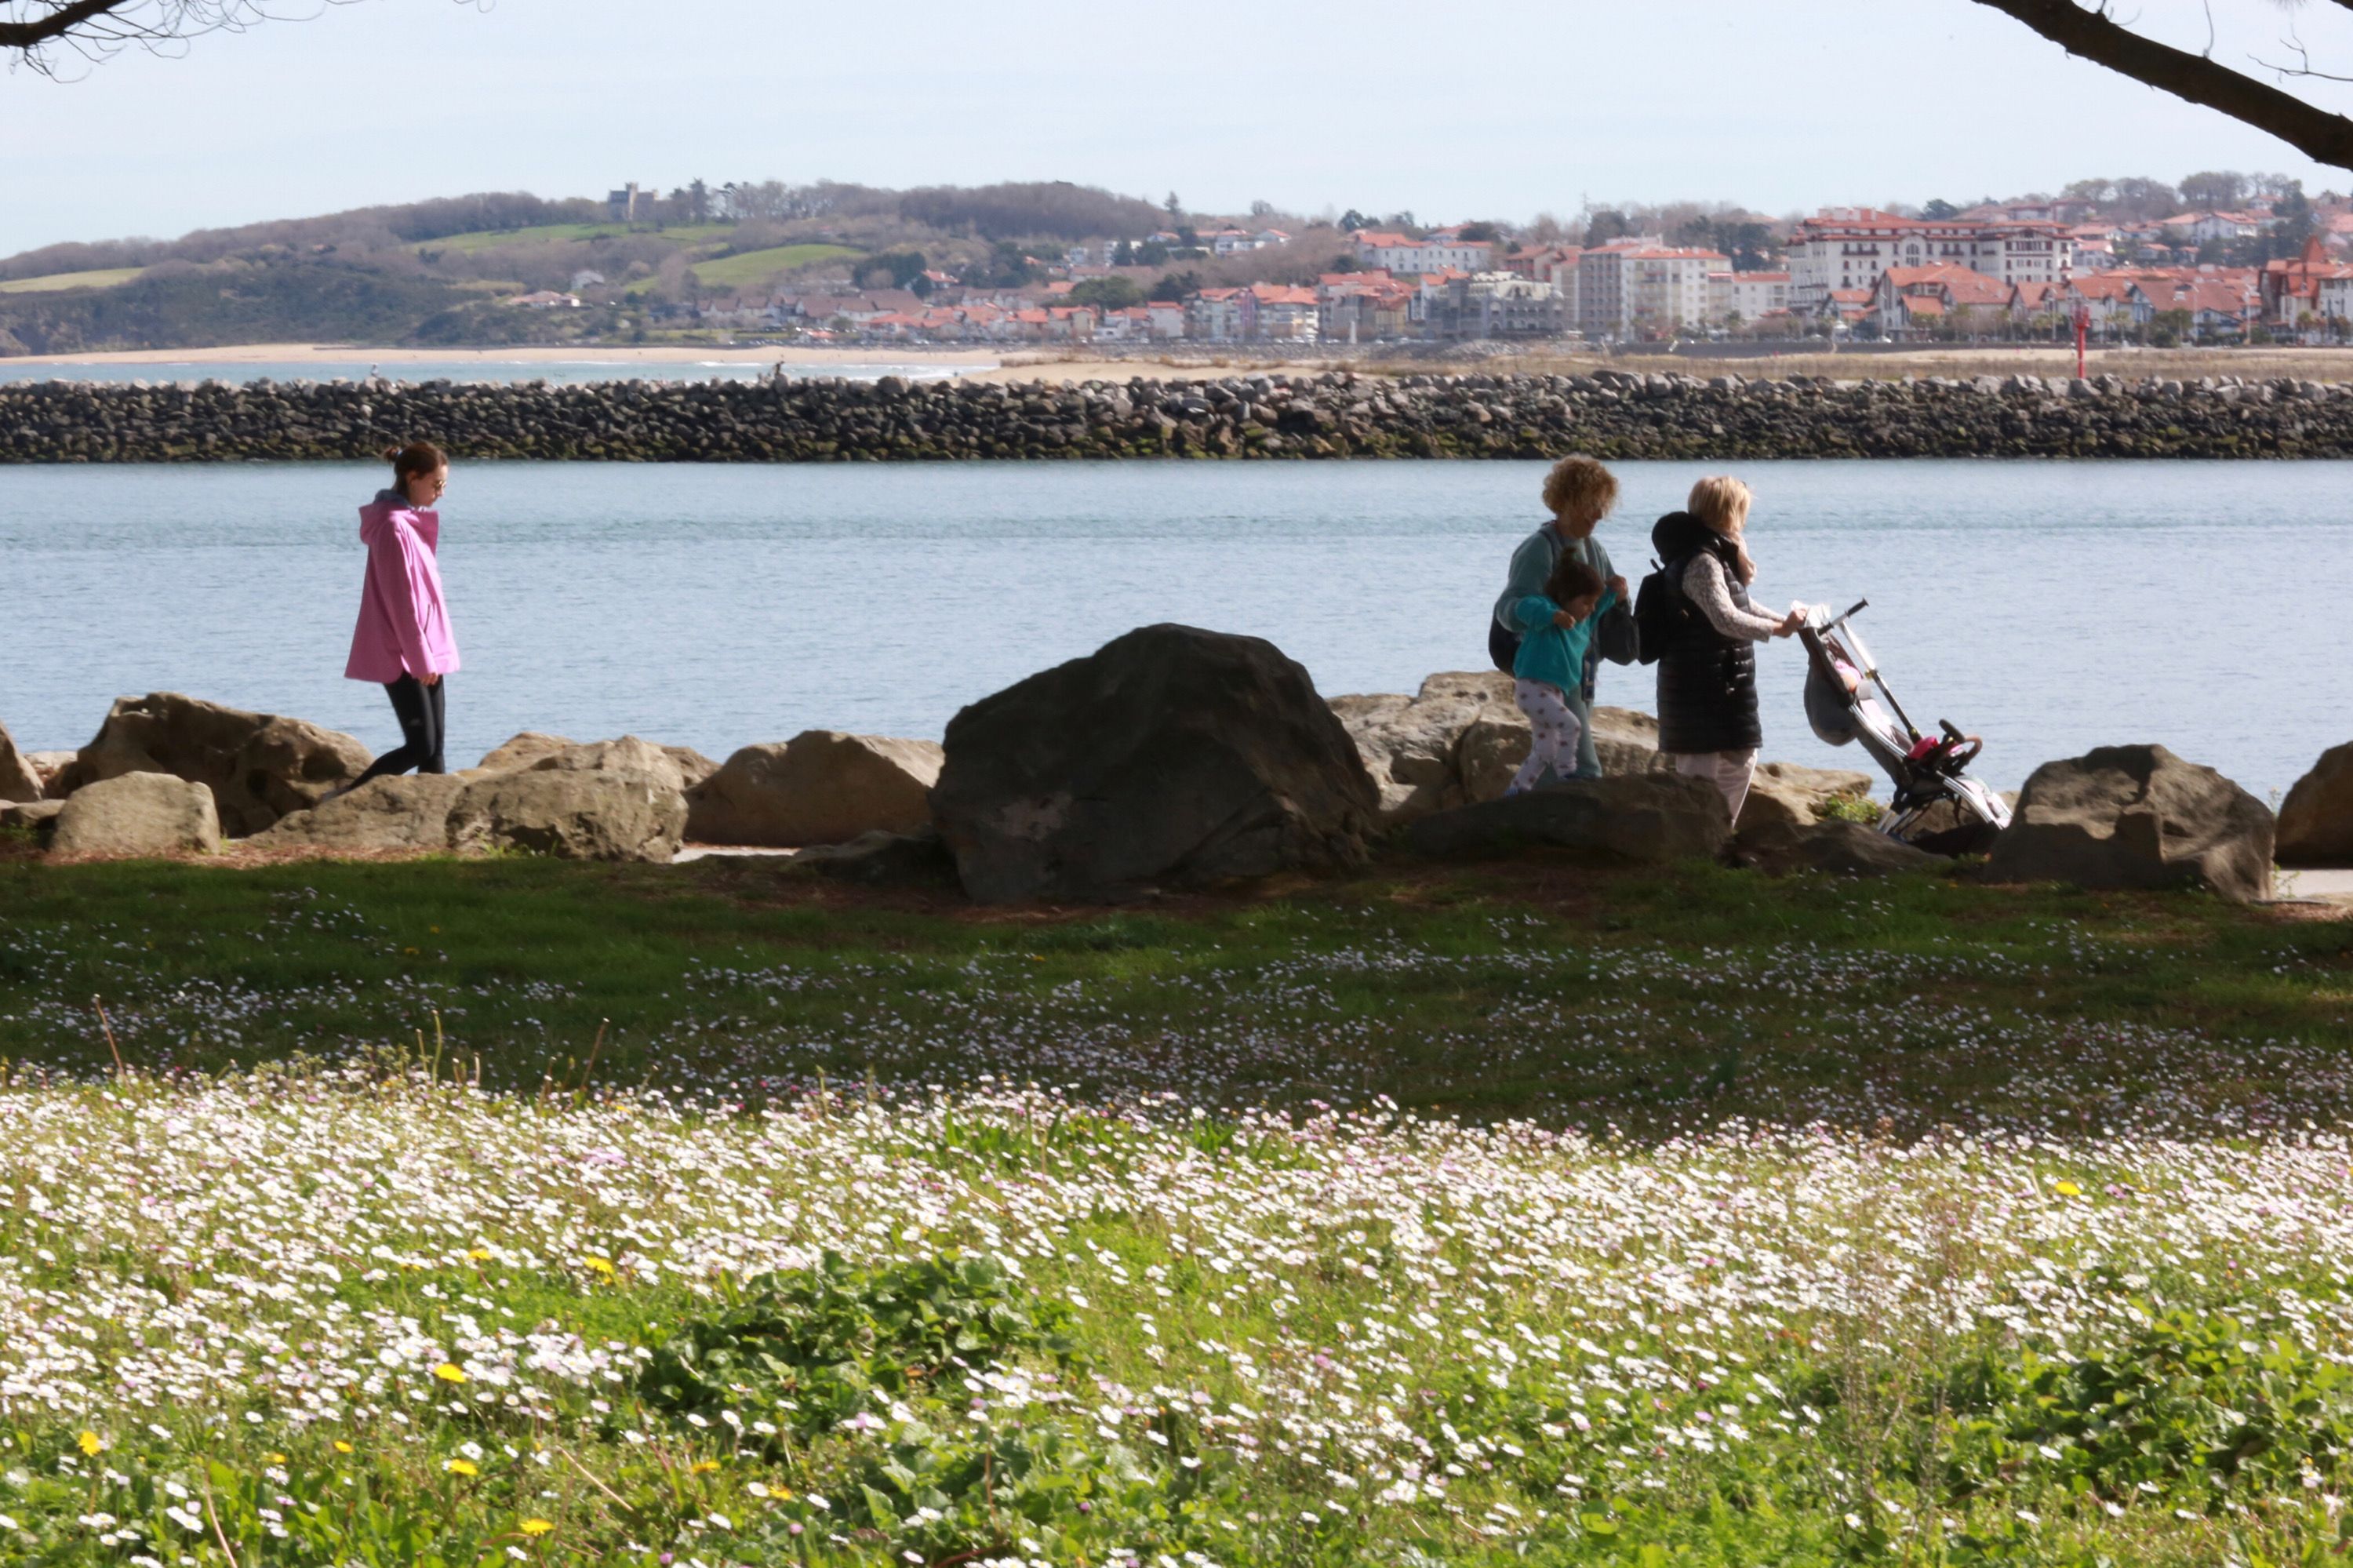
x=57 y=283
x=491 y=238
x=753 y=266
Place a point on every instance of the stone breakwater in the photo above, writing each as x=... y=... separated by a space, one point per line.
x=1612 y=414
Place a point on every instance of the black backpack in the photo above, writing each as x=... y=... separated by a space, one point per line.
x=1660 y=609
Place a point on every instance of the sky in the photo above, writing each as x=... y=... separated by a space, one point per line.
x=1503 y=110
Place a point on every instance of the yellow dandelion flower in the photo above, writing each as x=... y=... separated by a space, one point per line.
x=537 y=1526
x=594 y=1265
x=2069 y=1190
x=449 y=1371
x=341 y=1446
x=274 y=1459
x=90 y=1444
x=460 y=1467
x=704 y=1466
x=480 y=1254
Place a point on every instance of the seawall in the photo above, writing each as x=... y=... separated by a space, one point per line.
x=1612 y=414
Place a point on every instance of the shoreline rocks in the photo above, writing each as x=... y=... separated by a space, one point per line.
x=1643 y=819
x=1169 y=757
x=1617 y=415
x=19 y=778
x=571 y=813
x=137 y=816
x=258 y=767
x=2137 y=817
x=822 y=787
x=2316 y=821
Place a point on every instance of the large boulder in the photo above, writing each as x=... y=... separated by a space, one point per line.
x=1168 y=756
x=1643 y=819
x=627 y=755
x=822 y=787
x=258 y=767
x=1460 y=739
x=2316 y=821
x=138 y=816
x=1839 y=848
x=1786 y=795
x=535 y=748
x=520 y=751
x=19 y=780
x=1412 y=747
x=2137 y=817
x=405 y=814
x=1625 y=742
x=573 y=813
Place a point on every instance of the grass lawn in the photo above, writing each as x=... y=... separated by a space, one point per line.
x=750 y=267
x=491 y=238
x=100 y=278
x=469 y=1213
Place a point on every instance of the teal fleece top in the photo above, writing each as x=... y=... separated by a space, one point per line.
x=1532 y=564
x=1550 y=653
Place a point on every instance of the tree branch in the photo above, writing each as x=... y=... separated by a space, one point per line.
x=2324 y=137
x=55 y=25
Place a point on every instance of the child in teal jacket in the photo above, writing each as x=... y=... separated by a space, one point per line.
x=1555 y=628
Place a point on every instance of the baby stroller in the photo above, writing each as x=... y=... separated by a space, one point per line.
x=1937 y=806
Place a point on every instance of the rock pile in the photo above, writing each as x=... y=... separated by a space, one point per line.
x=258 y=767
x=1614 y=414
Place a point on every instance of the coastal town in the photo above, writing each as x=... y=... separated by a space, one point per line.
x=2272 y=267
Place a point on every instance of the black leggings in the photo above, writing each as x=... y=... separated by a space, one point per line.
x=418 y=707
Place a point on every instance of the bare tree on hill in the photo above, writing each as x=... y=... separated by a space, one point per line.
x=2095 y=33
x=38 y=31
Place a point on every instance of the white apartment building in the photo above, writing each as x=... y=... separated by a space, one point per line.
x=1644 y=287
x=1746 y=295
x=1401 y=253
x=1850 y=247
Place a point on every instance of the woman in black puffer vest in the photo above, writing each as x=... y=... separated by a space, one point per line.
x=1707 y=670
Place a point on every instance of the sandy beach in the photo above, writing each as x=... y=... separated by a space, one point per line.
x=528 y=353
x=1011 y=364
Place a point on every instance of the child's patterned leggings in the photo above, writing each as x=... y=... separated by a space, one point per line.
x=1556 y=733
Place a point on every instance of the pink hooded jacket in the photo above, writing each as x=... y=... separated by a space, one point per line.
x=404 y=627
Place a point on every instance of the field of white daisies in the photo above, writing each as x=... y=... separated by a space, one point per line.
x=442 y=1215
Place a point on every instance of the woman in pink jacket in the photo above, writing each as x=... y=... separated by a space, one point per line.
x=403 y=640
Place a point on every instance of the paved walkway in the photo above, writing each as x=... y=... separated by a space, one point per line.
x=2333 y=884
x=727 y=851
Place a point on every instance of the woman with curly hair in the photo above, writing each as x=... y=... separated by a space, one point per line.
x=1578 y=493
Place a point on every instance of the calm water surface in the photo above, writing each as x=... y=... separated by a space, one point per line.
x=2049 y=606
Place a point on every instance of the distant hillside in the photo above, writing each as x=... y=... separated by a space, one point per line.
x=434 y=271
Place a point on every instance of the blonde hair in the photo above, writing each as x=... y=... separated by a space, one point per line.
x=1721 y=502
x=1579 y=485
